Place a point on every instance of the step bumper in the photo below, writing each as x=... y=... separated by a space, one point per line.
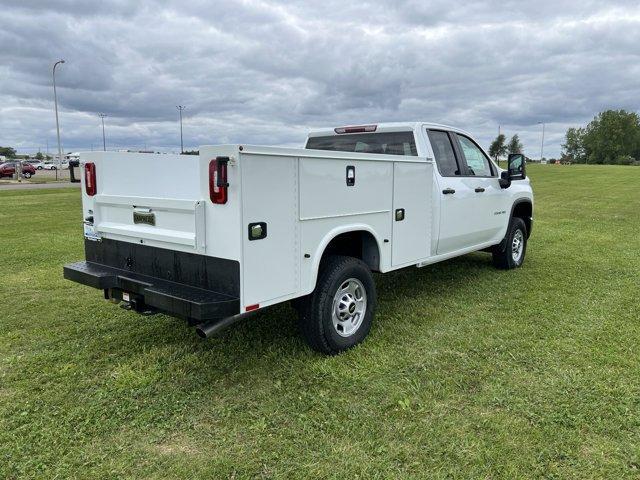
x=170 y=297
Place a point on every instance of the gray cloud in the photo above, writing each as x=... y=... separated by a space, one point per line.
x=260 y=71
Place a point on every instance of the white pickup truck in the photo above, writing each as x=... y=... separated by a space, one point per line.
x=237 y=228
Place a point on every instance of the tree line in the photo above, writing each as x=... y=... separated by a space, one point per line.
x=10 y=153
x=612 y=137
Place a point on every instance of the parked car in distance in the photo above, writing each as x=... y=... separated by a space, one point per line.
x=37 y=164
x=8 y=169
x=54 y=165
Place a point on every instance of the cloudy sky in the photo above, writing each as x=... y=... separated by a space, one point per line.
x=264 y=72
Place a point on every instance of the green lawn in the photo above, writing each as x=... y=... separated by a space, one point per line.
x=468 y=372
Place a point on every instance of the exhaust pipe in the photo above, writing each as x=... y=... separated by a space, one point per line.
x=212 y=327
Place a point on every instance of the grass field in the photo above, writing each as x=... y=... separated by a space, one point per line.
x=469 y=372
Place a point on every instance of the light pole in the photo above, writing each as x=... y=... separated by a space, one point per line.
x=55 y=99
x=180 y=109
x=542 y=142
x=104 y=143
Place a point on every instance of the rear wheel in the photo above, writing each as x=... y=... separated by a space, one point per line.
x=515 y=246
x=27 y=175
x=339 y=313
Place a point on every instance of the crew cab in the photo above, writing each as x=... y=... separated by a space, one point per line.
x=238 y=228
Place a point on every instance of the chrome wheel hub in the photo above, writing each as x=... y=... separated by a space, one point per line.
x=517 y=246
x=349 y=307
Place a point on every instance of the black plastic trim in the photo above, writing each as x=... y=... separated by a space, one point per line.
x=503 y=243
x=192 y=269
x=170 y=297
x=183 y=284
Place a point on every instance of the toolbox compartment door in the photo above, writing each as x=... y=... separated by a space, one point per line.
x=160 y=222
x=148 y=199
x=270 y=265
x=412 y=202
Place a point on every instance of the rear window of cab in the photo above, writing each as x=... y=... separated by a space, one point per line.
x=389 y=143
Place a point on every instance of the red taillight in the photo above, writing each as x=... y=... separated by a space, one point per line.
x=90 y=178
x=218 y=183
x=356 y=129
x=251 y=308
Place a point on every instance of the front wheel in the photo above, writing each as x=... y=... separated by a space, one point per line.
x=339 y=313
x=515 y=247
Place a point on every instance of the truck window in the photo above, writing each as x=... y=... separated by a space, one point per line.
x=390 y=143
x=443 y=151
x=477 y=162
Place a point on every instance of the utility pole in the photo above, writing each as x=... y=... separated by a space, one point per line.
x=542 y=143
x=180 y=109
x=104 y=143
x=55 y=99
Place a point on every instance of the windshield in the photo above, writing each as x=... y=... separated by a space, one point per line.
x=390 y=143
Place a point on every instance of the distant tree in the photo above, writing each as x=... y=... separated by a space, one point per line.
x=612 y=137
x=39 y=156
x=498 y=147
x=515 y=145
x=573 y=146
x=48 y=157
x=8 y=152
x=191 y=152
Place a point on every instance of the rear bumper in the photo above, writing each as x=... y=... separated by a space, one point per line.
x=170 y=297
x=187 y=285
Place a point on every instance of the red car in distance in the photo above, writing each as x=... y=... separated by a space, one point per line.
x=8 y=169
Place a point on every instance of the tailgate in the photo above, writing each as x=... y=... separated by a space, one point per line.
x=148 y=199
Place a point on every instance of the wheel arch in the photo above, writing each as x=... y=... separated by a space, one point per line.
x=359 y=241
x=523 y=208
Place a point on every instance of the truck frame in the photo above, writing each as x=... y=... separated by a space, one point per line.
x=237 y=228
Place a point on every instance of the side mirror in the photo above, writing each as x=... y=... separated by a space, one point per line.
x=516 y=166
x=505 y=181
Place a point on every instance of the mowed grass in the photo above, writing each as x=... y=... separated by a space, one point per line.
x=468 y=372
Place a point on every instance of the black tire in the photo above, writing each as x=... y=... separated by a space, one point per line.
x=39 y=167
x=27 y=175
x=316 y=314
x=503 y=254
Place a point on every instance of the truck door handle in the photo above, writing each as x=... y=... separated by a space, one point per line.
x=448 y=191
x=479 y=189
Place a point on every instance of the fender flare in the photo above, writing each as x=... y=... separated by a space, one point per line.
x=326 y=240
x=503 y=243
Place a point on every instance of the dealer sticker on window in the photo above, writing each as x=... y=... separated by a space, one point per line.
x=91 y=234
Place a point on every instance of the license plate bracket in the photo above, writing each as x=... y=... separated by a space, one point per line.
x=145 y=218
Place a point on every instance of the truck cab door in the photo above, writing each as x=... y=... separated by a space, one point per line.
x=490 y=198
x=466 y=200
